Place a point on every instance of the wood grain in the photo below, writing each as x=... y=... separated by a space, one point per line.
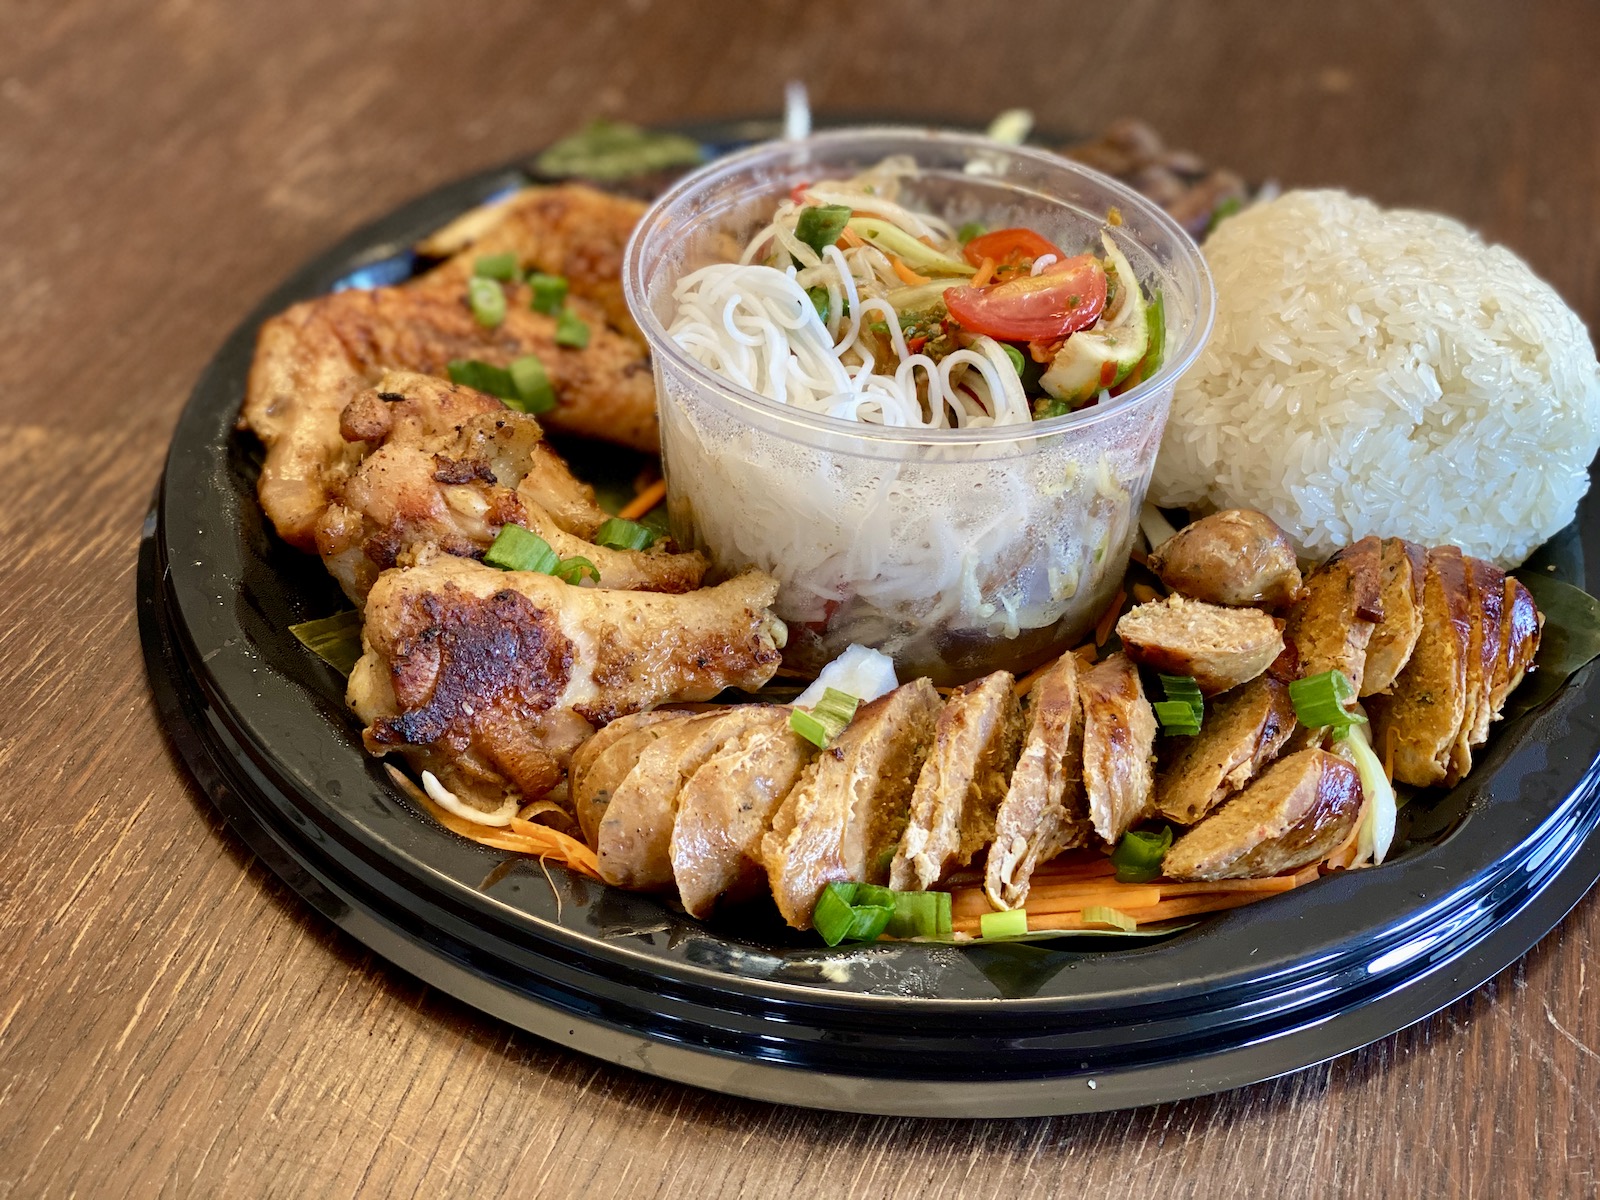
x=174 y=1023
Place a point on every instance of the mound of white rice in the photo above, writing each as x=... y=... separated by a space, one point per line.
x=1383 y=372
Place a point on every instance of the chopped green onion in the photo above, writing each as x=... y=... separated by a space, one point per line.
x=1018 y=363
x=1184 y=688
x=1013 y=922
x=487 y=300
x=516 y=549
x=920 y=914
x=549 y=293
x=820 y=302
x=572 y=570
x=808 y=727
x=1100 y=914
x=1138 y=855
x=531 y=385
x=496 y=266
x=827 y=718
x=972 y=229
x=571 y=330
x=1176 y=717
x=819 y=225
x=615 y=533
x=839 y=916
x=336 y=640
x=483 y=377
x=1319 y=702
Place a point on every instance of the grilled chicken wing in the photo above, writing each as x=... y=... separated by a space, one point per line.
x=449 y=468
x=570 y=230
x=491 y=679
x=961 y=783
x=1043 y=812
x=1242 y=733
x=1301 y=810
x=842 y=819
x=1235 y=557
x=1119 y=733
x=1220 y=647
x=312 y=360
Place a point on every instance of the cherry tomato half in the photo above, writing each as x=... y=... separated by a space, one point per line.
x=1008 y=247
x=1067 y=296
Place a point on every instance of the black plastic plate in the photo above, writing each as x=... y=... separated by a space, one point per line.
x=743 y=1005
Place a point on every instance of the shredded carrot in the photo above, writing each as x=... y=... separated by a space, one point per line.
x=1139 y=556
x=1025 y=685
x=851 y=238
x=1143 y=593
x=1388 y=752
x=985 y=273
x=907 y=275
x=1096 y=866
x=1087 y=653
x=1102 y=630
x=644 y=501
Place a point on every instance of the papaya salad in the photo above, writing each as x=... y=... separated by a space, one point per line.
x=854 y=304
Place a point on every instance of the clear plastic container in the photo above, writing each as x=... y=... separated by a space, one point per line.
x=957 y=552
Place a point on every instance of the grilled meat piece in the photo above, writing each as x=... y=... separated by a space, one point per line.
x=634 y=837
x=961 y=784
x=1332 y=625
x=1220 y=647
x=1486 y=594
x=1297 y=813
x=1521 y=626
x=727 y=806
x=603 y=761
x=1402 y=570
x=570 y=229
x=491 y=679
x=1416 y=724
x=312 y=360
x=450 y=467
x=1119 y=733
x=1236 y=557
x=841 y=821
x=1044 y=811
x=1241 y=734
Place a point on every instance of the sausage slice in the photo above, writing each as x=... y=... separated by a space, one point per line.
x=1242 y=733
x=1119 y=733
x=1236 y=557
x=1220 y=647
x=1332 y=625
x=1402 y=570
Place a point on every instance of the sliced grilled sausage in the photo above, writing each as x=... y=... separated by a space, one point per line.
x=1044 y=811
x=1236 y=557
x=1242 y=733
x=1300 y=810
x=604 y=761
x=843 y=818
x=1332 y=624
x=1402 y=570
x=1220 y=647
x=1417 y=722
x=962 y=781
x=1119 y=733
x=1521 y=626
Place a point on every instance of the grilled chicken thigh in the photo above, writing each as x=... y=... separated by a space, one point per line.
x=312 y=360
x=1301 y=810
x=842 y=819
x=1044 y=811
x=449 y=467
x=1220 y=647
x=961 y=783
x=1119 y=732
x=571 y=230
x=491 y=679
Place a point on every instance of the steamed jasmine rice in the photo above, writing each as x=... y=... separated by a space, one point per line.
x=1383 y=372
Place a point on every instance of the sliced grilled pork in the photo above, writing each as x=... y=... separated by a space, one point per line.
x=604 y=761
x=1521 y=625
x=635 y=832
x=1242 y=733
x=1119 y=733
x=1300 y=810
x=1043 y=812
x=961 y=783
x=727 y=806
x=1417 y=723
x=1486 y=594
x=1402 y=570
x=1220 y=647
x=1332 y=625
x=841 y=821
x=1236 y=557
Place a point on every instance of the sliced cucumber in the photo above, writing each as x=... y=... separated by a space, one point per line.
x=891 y=239
x=1104 y=355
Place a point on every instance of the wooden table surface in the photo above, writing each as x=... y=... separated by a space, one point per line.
x=173 y=1021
